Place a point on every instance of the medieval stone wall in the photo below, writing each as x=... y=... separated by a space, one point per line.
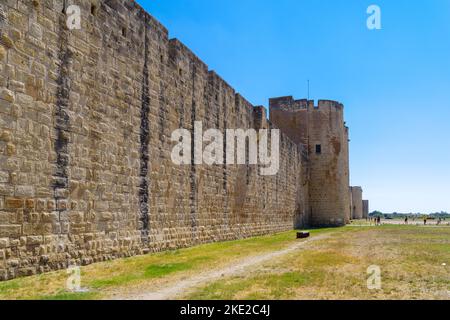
x=365 y=209
x=321 y=129
x=357 y=203
x=86 y=118
x=345 y=181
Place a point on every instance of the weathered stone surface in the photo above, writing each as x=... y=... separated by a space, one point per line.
x=35 y=31
x=49 y=217
x=4 y=243
x=10 y=230
x=85 y=145
x=357 y=202
x=34 y=240
x=4 y=177
x=5 y=135
x=24 y=191
x=14 y=203
x=321 y=130
x=6 y=41
x=7 y=95
x=10 y=149
x=365 y=209
x=2 y=53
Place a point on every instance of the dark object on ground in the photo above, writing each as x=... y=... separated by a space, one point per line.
x=303 y=235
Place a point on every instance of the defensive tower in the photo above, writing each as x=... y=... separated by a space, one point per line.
x=322 y=130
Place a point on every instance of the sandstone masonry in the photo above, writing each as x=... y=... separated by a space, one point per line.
x=85 y=123
x=322 y=131
x=365 y=209
x=357 y=202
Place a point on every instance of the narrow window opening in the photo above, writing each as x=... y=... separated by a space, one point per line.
x=94 y=10
x=318 y=149
x=124 y=32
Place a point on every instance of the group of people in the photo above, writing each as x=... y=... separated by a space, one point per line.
x=375 y=220
x=425 y=220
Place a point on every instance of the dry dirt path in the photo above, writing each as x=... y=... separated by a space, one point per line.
x=174 y=291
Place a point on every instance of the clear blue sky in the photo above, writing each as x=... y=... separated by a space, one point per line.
x=394 y=82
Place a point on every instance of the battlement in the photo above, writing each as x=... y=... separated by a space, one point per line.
x=329 y=104
x=288 y=103
x=260 y=116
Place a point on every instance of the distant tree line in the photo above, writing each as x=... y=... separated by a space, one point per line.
x=397 y=215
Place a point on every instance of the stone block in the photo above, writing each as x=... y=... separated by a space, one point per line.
x=2 y=53
x=106 y=216
x=5 y=135
x=6 y=190
x=24 y=191
x=34 y=240
x=10 y=149
x=4 y=243
x=4 y=177
x=40 y=205
x=7 y=95
x=49 y=217
x=61 y=205
x=14 y=203
x=7 y=41
x=10 y=231
x=24 y=100
x=7 y=217
x=35 y=31
x=27 y=271
x=51 y=205
x=5 y=107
